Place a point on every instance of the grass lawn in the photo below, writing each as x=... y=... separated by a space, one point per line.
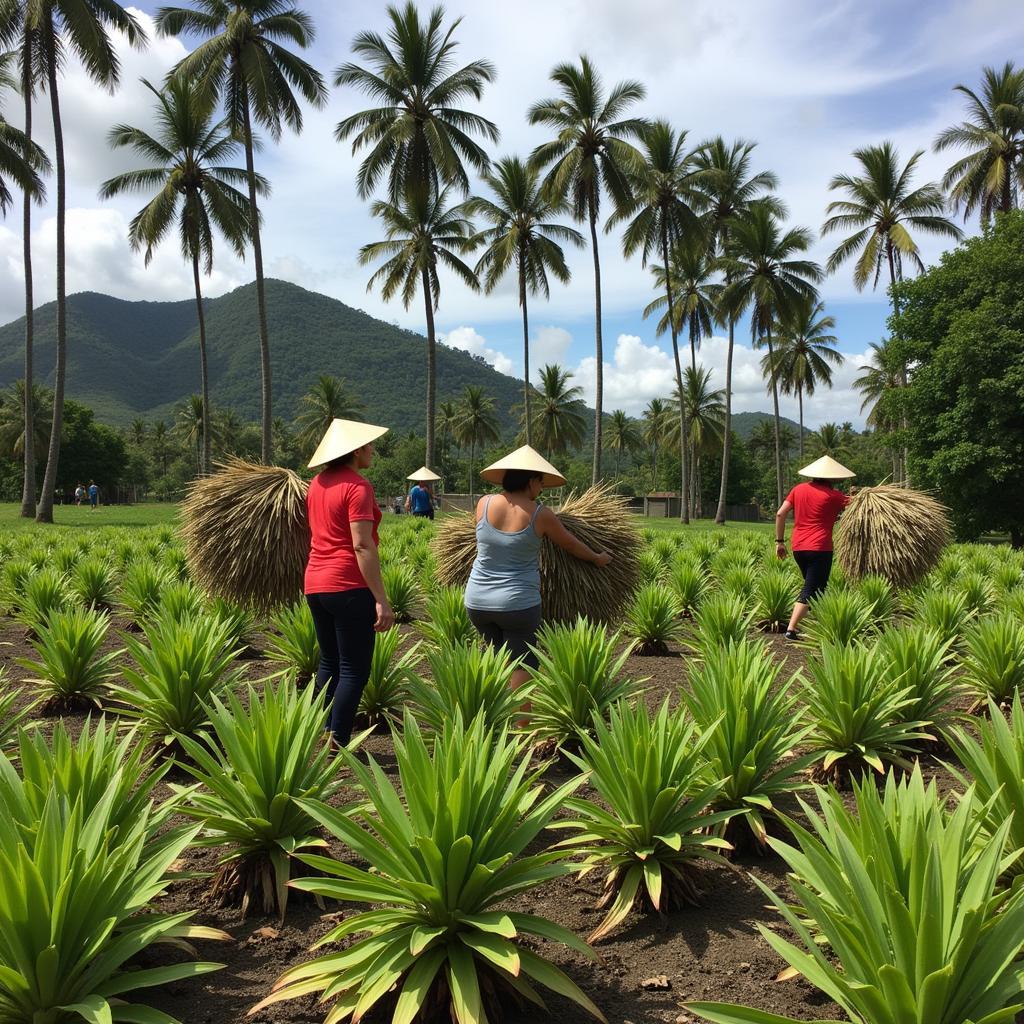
x=81 y=517
x=668 y=525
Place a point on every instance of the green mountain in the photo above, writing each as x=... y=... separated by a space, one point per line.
x=743 y=423
x=129 y=359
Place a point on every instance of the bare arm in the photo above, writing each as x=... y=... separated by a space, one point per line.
x=780 y=528
x=369 y=566
x=550 y=526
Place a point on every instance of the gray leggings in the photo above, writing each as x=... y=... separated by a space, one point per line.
x=514 y=630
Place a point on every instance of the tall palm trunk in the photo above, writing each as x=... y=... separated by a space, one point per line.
x=598 y=349
x=684 y=498
x=44 y=512
x=204 y=462
x=903 y=368
x=800 y=402
x=727 y=435
x=266 y=418
x=431 y=369
x=775 y=412
x=654 y=468
x=28 y=489
x=526 y=351
x=472 y=459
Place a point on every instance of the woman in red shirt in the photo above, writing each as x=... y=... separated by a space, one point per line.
x=343 y=581
x=816 y=505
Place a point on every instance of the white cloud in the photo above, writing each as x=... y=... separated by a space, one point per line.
x=468 y=340
x=548 y=345
x=638 y=372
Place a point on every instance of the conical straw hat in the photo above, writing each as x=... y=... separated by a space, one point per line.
x=826 y=468
x=342 y=437
x=423 y=475
x=527 y=459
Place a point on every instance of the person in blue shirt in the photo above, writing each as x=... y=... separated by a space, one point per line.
x=420 y=501
x=94 y=495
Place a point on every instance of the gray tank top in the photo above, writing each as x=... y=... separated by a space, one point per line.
x=506 y=572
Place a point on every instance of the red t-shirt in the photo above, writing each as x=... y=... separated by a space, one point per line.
x=816 y=508
x=336 y=499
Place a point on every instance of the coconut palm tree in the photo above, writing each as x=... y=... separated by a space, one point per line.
x=13 y=419
x=804 y=355
x=447 y=416
x=561 y=414
x=766 y=278
x=422 y=234
x=990 y=176
x=522 y=236
x=590 y=154
x=476 y=425
x=416 y=133
x=328 y=399
x=705 y=418
x=195 y=191
x=22 y=162
x=246 y=63
x=622 y=437
x=191 y=428
x=729 y=188
x=50 y=30
x=879 y=379
x=655 y=418
x=831 y=439
x=660 y=215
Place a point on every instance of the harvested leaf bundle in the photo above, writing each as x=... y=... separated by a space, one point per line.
x=569 y=587
x=891 y=531
x=246 y=534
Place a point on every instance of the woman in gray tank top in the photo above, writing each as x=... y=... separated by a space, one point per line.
x=503 y=592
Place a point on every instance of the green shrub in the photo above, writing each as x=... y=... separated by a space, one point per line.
x=652 y=620
x=447 y=621
x=45 y=592
x=181 y=600
x=994 y=658
x=387 y=690
x=293 y=642
x=402 y=589
x=444 y=860
x=978 y=593
x=945 y=613
x=259 y=759
x=839 y=617
x=650 y=568
x=242 y=625
x=14 y=575
x=722 y=619
x=141 y=586
x=12 y=717
x=689 y=583
x=776 y=591
x=652 y=828
x=880 y=595
x=94 y=583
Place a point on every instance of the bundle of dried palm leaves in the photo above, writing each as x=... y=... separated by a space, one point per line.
x=246 y=534
x=569 y=587
x=891 y=531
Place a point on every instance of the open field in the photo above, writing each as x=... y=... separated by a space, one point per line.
x=712 y=950
x=71 y=517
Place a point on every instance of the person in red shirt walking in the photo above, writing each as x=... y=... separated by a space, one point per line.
x=816 y=506
x=343 y=581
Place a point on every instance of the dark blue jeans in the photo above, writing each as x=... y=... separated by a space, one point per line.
x=344 y=629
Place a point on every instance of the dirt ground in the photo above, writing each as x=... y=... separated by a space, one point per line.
x=709 y=952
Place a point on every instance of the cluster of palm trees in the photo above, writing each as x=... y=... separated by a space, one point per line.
x=708 y=223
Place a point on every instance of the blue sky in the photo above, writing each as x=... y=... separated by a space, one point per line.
x=808 y=81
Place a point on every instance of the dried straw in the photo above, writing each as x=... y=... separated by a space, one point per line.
x=568 y=586
x=891 y=531
x=246 y=535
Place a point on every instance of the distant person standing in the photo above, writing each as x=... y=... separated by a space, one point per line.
x=79 y=494
x=420 y=500
x=94 y=495
x=816 y=505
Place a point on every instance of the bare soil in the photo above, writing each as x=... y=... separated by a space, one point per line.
x=710 y=952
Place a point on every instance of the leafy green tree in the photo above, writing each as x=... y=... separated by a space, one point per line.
x=416 y=133
x=561 y=415
x=328 y=399
x=804 y=355
x=90 y=451
x=476 y=425
x=195 y=191
x=729 y=188
x=832 y=439
x=659 y=217
x=245 y=62
x=421 y=233
x=591 y=153
x=49 y=31
x=990 y=176
x=766 y=278
x=960 y=329
x=655 y=427
x=13 y=420
x=522 y=236
x=622 y=437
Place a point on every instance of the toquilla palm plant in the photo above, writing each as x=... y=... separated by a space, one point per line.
x=245 y=62
x=804 y=355
x=767 y=277
x=422 y=233
x=195 y=191
x=522 y=236
x=591 y=153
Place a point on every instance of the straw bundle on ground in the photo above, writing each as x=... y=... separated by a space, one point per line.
x=569 y=587
x=894 y=532
x=246 y=534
